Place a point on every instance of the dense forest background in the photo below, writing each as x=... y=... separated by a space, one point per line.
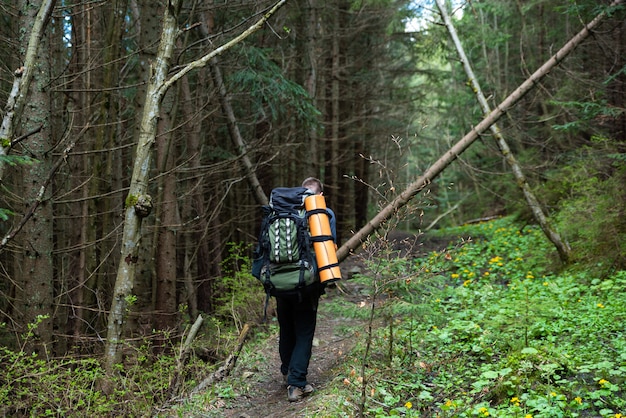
x=365 y=95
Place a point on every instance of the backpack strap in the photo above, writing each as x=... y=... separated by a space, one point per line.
x=267 y=284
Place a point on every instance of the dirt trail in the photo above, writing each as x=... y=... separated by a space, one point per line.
x=267 y=395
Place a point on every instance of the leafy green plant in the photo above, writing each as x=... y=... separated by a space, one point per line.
x=240 y=296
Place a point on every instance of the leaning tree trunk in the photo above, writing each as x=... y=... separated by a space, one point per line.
x=235 y=133
x=139 y=203
x=231 y=122
x=433 y=171
x=562 y=247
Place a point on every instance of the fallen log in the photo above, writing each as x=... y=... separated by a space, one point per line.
x=228 y=366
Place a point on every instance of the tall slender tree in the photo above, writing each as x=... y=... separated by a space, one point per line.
x=35 y=292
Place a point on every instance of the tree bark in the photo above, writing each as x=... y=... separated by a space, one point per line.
x=311 y=20
x=167 y=219
x=562 y=247
x=434 y=170
x=36 y=293
x=195 y=243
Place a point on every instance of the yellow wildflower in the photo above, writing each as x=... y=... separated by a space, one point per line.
x=579 y=400
x=408 y=405
x=600 y=305
x=454 y=275
x=602 y=382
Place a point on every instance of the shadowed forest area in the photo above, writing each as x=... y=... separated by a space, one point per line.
x=140 y=139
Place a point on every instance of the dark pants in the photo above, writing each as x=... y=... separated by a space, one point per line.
x=297 y=318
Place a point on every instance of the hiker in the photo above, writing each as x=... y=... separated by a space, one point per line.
x=297 y=316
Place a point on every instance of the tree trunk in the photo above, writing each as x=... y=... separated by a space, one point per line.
x=139 y=202
x=166 y=224
x=35 y=300
x=534 y=205
x=195 y=243
x=331 y=163
x=434 y=170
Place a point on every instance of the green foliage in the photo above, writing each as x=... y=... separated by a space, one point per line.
x=5 y=214
x=74 y=387
x=14 y=160
x=270 y=92
x=592 y=201
x=240 y=296
x=586 y=113
x=488 y=330
x=31 y=386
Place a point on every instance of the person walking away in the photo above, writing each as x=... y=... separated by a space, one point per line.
x=297 y=318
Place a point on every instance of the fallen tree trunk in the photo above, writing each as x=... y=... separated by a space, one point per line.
x=433 y=171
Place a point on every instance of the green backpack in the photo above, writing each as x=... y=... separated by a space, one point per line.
x=284 y=260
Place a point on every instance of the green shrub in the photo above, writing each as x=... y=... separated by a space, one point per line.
x=590 y=201
x=240 y=296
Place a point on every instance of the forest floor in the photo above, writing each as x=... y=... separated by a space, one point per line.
x=259 y=390
x=267 y=394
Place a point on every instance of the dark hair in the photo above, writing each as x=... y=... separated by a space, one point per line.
x=313 y=184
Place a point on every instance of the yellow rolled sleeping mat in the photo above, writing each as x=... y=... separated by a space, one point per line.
x=321 y=236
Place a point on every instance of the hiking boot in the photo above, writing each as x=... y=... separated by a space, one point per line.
x=307 y=389
x=295 y=393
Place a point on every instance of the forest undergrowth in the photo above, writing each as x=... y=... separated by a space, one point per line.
x=488 y=326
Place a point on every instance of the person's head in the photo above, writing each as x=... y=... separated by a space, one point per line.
x=314 y=185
